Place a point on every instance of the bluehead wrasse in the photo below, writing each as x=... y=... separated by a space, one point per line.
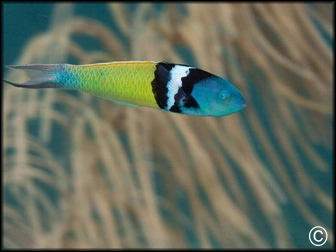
x=161 y=85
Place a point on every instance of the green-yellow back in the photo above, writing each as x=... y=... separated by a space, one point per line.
x=125 y=82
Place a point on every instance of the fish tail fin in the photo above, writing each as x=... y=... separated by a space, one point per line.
x=41 y=76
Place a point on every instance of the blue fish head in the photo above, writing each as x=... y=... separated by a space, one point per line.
x=217 y=97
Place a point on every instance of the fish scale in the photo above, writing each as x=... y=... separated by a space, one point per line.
x=117 y=83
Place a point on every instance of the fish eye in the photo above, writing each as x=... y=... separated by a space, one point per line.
x=223 y=94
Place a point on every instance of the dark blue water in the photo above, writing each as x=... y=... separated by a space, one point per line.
x=22 y=21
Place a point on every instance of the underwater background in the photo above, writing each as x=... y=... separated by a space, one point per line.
x=83 y=172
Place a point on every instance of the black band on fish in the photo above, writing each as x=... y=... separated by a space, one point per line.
x=195 y=75
x=173 y=85
x=159 y=84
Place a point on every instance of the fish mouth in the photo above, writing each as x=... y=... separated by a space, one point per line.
x=242 y=103
x=241 y=107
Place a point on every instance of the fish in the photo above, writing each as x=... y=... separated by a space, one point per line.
x=167 y=86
